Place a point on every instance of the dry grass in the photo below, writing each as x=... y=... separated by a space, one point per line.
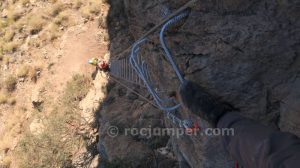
x=50 y=147
x=24 y=2
x=93 y=7
x=63 y=19
x=28 y=71
x=34 y=72
x=23 y=71
x=9 y=35
x=6 y=162
x=35 y=24
x=3 y=98
x=51 y=33
x=11 y=46
x=6 y=99
x=10 y=83
x=56 y=9
x=12 y=101
x=78 y=4
x=5 y=60
x=13 y=15
x=102 y=22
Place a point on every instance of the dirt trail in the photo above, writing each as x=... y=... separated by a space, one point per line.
x=78 y=45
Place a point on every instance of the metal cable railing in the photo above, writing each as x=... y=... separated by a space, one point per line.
x=142 y=77
x=141 y=70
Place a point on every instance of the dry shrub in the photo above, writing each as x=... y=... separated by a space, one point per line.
x=85 y=13
x=34 y=73
x=78 y=4
x=9 y=35
x=28 y=71
x=25 y=2
x=102 y=23
x=56 y=9
x=76 y=89
x=6 y=99
x=11 y=46
x=35 y=24
x=12 y=101
x=6 y=162
x=5 y=60
x=14 y=15
x=51 y=33
x=63 y=19
x=56 y=144
x=95 y=7
x=3 y=98
x=10 y=83
x=23 y=71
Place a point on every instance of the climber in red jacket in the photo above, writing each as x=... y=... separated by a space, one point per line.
x=253 y=145
x=100 y=65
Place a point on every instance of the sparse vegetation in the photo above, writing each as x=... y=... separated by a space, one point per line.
x=25 y=2
x=27 y=25
x=10 y=83
x=63 y=19
x=23 y=71
x=53 y=147
x=93 y=7
x=76 y=89
x=1 y=57
x=3 y=98
x=11 y=46
x=29 y=71
x=14 y=15
x=34 y=73
x=102 y=22
x=9 y=35
x=35 y=24
x=56 y=9
x=78 y=4
x=5 y=60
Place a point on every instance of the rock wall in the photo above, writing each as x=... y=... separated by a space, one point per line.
x=244 y=52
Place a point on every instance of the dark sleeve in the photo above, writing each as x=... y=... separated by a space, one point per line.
x=256 y=145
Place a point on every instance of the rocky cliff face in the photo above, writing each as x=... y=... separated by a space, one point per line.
x=245 y=52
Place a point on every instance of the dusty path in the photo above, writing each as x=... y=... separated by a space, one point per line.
x=77 y=46
x=69 y=56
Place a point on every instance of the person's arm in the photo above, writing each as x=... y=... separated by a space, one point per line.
x=253 y=145
x=256 y=145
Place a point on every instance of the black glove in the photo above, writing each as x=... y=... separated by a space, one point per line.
x=201 y=103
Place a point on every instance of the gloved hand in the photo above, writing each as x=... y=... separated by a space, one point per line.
x=201 y=103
